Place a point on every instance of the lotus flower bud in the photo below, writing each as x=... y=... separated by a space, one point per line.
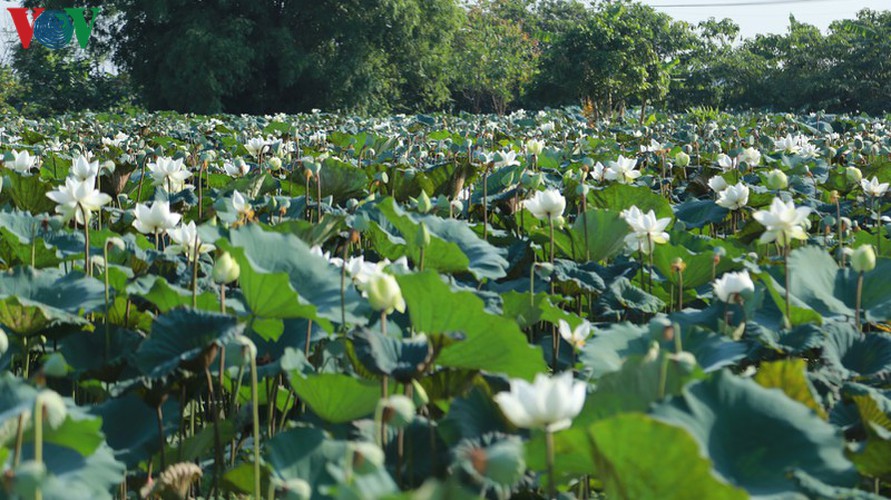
x=776 y=180
x=682 y=159
x=384 y=294
x=863 y=259
x=853 y=175
x=4 y=342
x=582 y=190
x=423 y=236
x=225 y=269
x=424 y=203
x=275 y=163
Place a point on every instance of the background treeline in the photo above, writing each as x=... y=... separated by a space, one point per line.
x=385 y=56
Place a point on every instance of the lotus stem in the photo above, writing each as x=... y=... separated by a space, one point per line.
x=256 y=417
x=859 y=301
x=318 y=197
x=88 y=269
x=551 y=233
x=159 y=414
x=549 y=444
x=195 y=273
x=223 y=298
x=786 y=251
x=19 y=437
x=680 y=290
x=838 y=224
x=38 y=441
x=107 y=295
x=486 y=202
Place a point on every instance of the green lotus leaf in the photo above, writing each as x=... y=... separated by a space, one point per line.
x=756 y=437
x=182 y=335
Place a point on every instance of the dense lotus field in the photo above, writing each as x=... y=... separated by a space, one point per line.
x=533 y=306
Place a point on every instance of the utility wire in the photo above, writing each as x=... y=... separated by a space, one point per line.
x=745 y=3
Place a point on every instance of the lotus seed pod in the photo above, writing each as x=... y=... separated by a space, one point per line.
x=115 y=242
x=28 y=477
x=504 y=464
x=397 y=411
x=225 y=269
x=54 y=410
x=367 y=453
x=863 y=259
x=678 y=265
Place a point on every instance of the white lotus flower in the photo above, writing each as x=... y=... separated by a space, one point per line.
x=256 y=146
x=156 y=219
x=874 y=188
x=598 y=171
x=734 y=197
x=115 y=141
x=238 y=169
x=622 y=170
x=717 y=184
x=22 y=161
x=78 y=199
x=507 y=159
x=808 y=151
x=731 y=285
x=751 y=157
x=169 y=174
x=185 y=237
x=787 y=144
x=239 y=203
x=725 y=162
x=82 y=168
x=575 y=337
x=535 y=147
x=549 y=403
x=646 y=230
x=547 y=204
x=783 y=222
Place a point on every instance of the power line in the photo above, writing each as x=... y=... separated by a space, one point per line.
x=746 y=3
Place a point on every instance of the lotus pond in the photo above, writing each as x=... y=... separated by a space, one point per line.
x=532 y=306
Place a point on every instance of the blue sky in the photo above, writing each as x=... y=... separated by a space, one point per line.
x=766 y=18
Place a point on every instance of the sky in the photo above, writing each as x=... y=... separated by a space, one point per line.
x=759 y=16
x=767 y=16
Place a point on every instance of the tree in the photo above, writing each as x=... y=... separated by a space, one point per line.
x=269 y=55
x=622 y=53
x=494 y=58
